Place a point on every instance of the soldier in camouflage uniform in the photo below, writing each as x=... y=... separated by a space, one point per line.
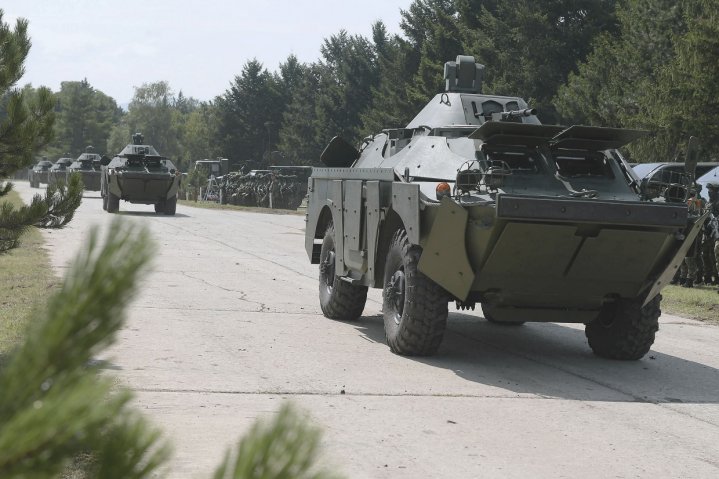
x=688 y=269
x=711 y=228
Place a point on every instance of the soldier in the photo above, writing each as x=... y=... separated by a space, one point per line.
x=712 y=226
x=688 y=269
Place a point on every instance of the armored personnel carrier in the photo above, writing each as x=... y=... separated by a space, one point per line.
x=58 y=171
x=88 y=165
x=476 y=202
x=138 y=174
x=40 y=173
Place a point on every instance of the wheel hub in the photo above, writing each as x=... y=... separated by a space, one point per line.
x=327 y=268
x=396 y=292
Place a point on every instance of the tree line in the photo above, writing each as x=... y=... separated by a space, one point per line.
x=647 y=64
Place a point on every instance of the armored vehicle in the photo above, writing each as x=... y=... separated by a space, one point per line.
x=476 y=202
x=138 y=174
x=88 y=165
x=40 y=173
x=669 y=181
x=58 y=171
x=711 y=176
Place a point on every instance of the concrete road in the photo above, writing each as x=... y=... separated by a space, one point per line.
x=228 y=327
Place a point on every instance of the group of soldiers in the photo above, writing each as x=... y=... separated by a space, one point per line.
x=701 y=266
x=268 y=189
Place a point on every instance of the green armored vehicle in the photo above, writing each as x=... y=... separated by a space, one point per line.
x=40 y=173
x=138 y=174
x=476 y=202
x=88 y=165
x=58 y=171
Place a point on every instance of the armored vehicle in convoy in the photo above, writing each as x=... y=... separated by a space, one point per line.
x=138 y=174
x=58 y=171
x=40 y=173
x=88 y=165
x=476 y=202
x=670 y=181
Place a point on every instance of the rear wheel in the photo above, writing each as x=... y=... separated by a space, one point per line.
x=414 y=307
x=113 y=203
x=625 y=329
x=338 y=298
x=104 y=202
x=170 y=205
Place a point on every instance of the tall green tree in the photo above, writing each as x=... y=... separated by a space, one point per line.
x=26 y=116
x=85 y=116
x=250 y=114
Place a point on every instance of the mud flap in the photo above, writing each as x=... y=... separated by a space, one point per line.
x=676 y=261
x=444 y=258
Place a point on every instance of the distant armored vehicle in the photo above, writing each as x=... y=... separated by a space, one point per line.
x=476 y=202
x=58 y=171
x=88 y=165
x=138 y=174
x=668 y=180
x=40 y=173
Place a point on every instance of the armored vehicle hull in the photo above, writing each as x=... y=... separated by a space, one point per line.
x=476 y=202
x=139 y=175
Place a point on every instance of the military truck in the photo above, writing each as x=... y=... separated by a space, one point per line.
x=138 y=174
x=476 y=202
x=88 y=165
x=40 y=173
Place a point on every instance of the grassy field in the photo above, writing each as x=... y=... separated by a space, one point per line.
x=211 y=205
x=25 y=283
x=699 y=302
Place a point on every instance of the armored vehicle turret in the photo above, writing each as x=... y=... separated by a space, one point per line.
x=138 y=174
x=88 y=165
x=40 y=173
x=475 y=202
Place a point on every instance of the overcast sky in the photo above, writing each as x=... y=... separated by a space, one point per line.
x=198 y=46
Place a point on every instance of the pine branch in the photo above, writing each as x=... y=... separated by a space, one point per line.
x=62 y=200
x=53 y=404
x=286 y=447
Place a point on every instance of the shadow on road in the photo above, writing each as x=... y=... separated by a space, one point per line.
x=151 y=213
x=549 y=359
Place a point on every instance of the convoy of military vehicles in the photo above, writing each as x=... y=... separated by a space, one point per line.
x=474 y=202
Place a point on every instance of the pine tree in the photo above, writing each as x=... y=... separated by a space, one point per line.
x=55 y=405
x=26 y=122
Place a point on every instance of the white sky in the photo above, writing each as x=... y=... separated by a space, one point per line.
x=198 y=46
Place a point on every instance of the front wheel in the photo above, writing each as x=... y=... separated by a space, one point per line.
x=624 y=330
x=338 y=298
x=414 y=307
x=170 y=205
x=113 y=203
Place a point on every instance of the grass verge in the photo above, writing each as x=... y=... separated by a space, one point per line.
x=211 y=205
x=25 y=283
x=699 y=302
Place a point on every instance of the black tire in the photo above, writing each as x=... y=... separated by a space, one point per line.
x=626 y=330
x=159 y=207
x=104 y=202
x=170 y=205
x=414 y=307
x=338 y=299
x=487 y=313
x=113 y=203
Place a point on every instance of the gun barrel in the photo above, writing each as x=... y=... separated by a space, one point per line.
x=519 y=113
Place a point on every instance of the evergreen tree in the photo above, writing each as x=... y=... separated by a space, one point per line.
x=26 y=121
x=250 y=114
x=26 y=117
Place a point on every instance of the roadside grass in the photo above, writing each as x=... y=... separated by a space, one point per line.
x=699 y=302
x=26 y=279
x=211 y=205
